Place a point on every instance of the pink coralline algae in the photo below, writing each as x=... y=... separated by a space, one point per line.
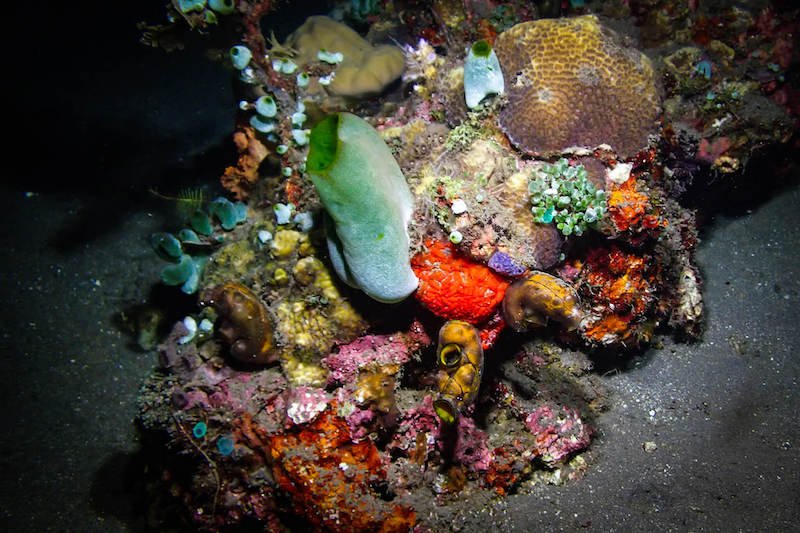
x=304 y=404
x=559 y=432
x=419 y=433
x=370 y=350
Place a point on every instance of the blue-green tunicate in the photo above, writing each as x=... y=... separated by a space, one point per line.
x=482 y=74
x=223 y=7
x=188 y=6
x=240 y=57
x=266 y=106
x=368 y=204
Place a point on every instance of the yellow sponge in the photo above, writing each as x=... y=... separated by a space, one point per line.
x=366 y=70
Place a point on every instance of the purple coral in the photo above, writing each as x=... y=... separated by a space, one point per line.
x=559 y=432
x=502 y=263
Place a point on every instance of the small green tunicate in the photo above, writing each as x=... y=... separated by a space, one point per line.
x=266 y=106
x=228 y=213
x=240 y=57
x=287 y=171
x=562 y=194
x=281 y=149
x=456 y=237
x=189 y=236
x=261 y=124
x=303 y=79
x=189 y=6
x=201 y=223
x=330 y=57
x=223 y=7
x=166 y=246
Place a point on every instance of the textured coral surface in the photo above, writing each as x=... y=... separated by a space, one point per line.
x=571 y=83
x=454 y=287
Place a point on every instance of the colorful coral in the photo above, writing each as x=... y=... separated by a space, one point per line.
x=329 y=479
x=571 y=82
x=453 y=287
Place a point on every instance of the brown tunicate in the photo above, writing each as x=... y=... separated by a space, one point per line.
x=539 y=298
x=460 y=360
x=244 y=323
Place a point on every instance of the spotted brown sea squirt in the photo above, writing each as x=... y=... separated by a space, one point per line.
x=540 y=298
x=244 y=323
x=572 y=83
x=460 y=359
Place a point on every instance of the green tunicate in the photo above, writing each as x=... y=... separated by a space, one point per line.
x=240 y=57
x=201 y=222
x=223 y=7
x=228 y=213
x=266 y=106
x=188 y=6
x=369 y=205
x=189 y=236
x=179 y=273
x=562 y=194
x=482 y=74
x=166 y=246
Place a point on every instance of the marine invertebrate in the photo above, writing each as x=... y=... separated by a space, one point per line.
x=539 y=298
x=244 y=323
x=482 y=74
x=369 y=203
x=364 y=71
x=571 y=83
x=459 y=356
x=563 y=195
x=454 y=287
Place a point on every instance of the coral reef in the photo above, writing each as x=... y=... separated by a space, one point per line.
x=535 y=231
x=571 y=83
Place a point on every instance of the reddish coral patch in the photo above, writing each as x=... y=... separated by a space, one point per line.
x=454 y=287
x=630 y=209
x=328 y=477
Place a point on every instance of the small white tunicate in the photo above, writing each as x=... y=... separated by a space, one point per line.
x=283 y=213
x=206 y=325
x=301 y=136
x=304 y=221
x=191 y=328
x=264 y=236
x=456 y=237
x=326 y=80
x=459 y=206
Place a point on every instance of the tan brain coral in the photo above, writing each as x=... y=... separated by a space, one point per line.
x=572 y=83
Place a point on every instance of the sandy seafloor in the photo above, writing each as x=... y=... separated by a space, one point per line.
x=111 y=119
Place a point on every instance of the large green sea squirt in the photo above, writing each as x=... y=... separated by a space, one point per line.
x=368 y=203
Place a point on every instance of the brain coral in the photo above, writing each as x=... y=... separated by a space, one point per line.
x=571 y=82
